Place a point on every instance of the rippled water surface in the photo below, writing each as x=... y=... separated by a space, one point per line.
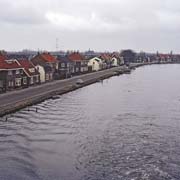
x=123 y=128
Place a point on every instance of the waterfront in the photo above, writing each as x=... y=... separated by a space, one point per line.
x=16 y=100
x=126 y=127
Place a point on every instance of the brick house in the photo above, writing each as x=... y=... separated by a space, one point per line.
x=48 y=62
x=80 y=63
x=66 y=66
x=33 y=76
x=106 y=58
x=12 y=75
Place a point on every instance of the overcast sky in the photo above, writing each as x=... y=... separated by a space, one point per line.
x=148 y=25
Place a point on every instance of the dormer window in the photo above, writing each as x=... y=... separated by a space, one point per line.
x=17 y=71
x=32 y=70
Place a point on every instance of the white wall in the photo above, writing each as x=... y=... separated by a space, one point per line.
x=114 y=61
x=42 y=73
x=96 y=66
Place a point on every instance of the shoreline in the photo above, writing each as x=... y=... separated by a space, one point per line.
x=16 y=100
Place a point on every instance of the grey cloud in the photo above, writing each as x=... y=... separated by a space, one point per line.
x=12 y=13
x=95 y=24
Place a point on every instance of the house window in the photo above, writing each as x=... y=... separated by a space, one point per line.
x=62 y=64
x=50 y=76
x=10 y=73
x=37 y=79
x=10 y=84
x=57 y=65
x=32 y=70
x=31 y=80
x=18 y=82
x=24 y=80
x=1 y=83
x=47 y=77
x=17 y=71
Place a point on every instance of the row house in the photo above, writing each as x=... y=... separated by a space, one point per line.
x=33 y=76
x=95 y=63
x=106 y=58
x=143 y=57
x=47 y=65
x=164 y=58
x=66 y=67
x=116 y=60
x=12 y=75
x=80 y=63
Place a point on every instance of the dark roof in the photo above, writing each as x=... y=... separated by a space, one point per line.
x=63 y=59
x=48 y=68
x=17 y=56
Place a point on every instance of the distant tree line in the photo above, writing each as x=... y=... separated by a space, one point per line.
x=128 y=55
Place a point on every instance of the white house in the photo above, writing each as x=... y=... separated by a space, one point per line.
x=96 y=64
x=42 y=73
x=116 y=59
x=114 y=62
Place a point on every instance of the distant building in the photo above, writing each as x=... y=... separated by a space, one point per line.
x=164 y=58
x=106 y=58
x=95 y=63
x=117 y=59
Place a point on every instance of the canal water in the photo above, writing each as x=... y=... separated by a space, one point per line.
x=123 y=128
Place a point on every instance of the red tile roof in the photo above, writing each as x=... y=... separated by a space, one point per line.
x=164 y=56
x=2 y=58
x=48 y=57
x=105 y=56
x=27 y=65
x=76 y=57
x=10 y=64
x=115 y=54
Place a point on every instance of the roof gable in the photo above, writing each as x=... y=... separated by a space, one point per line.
x=28 y=67
x=76 y=57
x=2 y=58
x=105 y=56
x=48 y=58
x=10 y=64
x=63 y=59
